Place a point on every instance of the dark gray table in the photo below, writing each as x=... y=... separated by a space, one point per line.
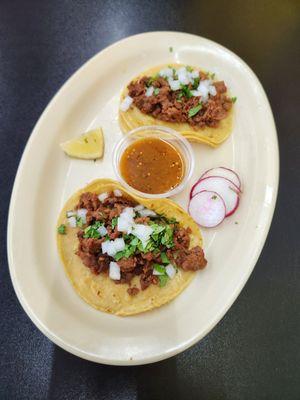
x=253 y=353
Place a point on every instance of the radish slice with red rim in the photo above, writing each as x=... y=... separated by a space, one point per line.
x=207 y=209
x=223 y=187
x=224 y=173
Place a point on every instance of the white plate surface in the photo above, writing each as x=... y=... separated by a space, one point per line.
x=46 y=178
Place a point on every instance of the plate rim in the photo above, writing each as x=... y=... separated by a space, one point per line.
x=219 y=316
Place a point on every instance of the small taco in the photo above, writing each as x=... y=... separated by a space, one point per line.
x=184 y=98
x=124 y=254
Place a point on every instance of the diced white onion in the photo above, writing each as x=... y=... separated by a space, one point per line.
x=82 y=214
x=102 y=230
x=149 y=91
x=117 y=193
x=71 y=214
x=196 y=93
x=126 y=103
x=109 y=248
x=183 y=76
x=147 y=213
x=128 y=211
x=139 y=207
x=212 y=90
x=125 y=220
x=194 y=74
x=114 y=271
x=174 y=84
x=166 y=73
x=72 y=222
x=171 y=271
x=142 y=232
x=103 y=196
x=124 y=225
x=203 y=89
x=119 y=244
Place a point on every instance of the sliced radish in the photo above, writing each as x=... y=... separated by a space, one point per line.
x=224 y=173
x=207 y=208
x=224 y=187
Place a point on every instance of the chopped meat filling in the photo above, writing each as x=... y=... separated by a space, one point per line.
x=178 y=105
x=139 y=262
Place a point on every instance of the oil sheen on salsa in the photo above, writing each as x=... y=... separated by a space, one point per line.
x=152 y=166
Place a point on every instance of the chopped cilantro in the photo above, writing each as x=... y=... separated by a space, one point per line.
x=157 y=229
x=85 y=139
x=186 y=91
x=91 y=231
x=233 y=99
x=134 y=241
x=214 y=197
x=156 y=91
x=114 y=222
x=167 y=238
x=163 y=279
x=126 y=253
x=159 y=268
x=189 y=68
x=164 y=258
x=196 y=83
x=212 y=75
x=171 y=49
x=79 y=222
x=193 y=111
x=61 y=229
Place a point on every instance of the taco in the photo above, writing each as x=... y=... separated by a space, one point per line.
x=184 y=98
x=124 y=254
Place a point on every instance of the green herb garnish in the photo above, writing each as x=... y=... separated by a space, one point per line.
x=156 y=91
x=186 y=91
x=171 y=49
x=212 y=75
x=160 y=240
x=114 y=222
x=233 y=99
x=179 y=97
x=163 y=279
x=164 y=258
x=85 y=139
x=159 y=268
x=193 y=111
x=196 y=83
x=79 y=222
x=214 y=197
x=189 y=68
x=91 y=231
x=61 y=229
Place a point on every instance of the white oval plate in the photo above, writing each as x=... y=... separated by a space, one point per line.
x=46 y=178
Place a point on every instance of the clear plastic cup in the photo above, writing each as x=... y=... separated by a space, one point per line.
x=166 y=134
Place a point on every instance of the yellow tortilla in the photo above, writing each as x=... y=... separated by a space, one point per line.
x=99 y=290
x=134 y=118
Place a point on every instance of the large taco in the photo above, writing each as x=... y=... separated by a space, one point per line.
x=125 y=254
x=184 y=98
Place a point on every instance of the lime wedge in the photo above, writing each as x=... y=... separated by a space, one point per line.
x=88 y=146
